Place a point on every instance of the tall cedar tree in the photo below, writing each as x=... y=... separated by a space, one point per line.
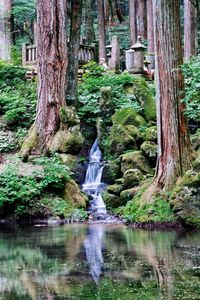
x=52 y=63
x=102 y=34
x=190 y=29
x=174 y=151
x=73 y=59
x=5 y=29
x=132 y=19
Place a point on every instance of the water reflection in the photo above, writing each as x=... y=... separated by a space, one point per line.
x=93 y=246
x=98 y=262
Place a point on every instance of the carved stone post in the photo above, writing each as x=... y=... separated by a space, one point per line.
x=130 y=59
x=114 y=63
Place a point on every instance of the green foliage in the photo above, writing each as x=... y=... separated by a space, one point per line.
x=22 y=193
x=93 y=69
x=158 y=210
x=17 y=97
x=89 y=94
x=191 y=71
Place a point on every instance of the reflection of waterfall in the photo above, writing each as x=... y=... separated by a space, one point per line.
x=92 y=184
x=93 y=246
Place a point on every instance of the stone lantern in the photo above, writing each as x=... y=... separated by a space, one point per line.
x=139 y=49
x=130 y=59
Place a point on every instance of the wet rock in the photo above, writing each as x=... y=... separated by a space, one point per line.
x=132 y=177
x=112 y=201
x=135 y=160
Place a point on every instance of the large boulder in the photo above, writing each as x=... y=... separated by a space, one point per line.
x=120 y=140
x=115 y=189
x=135 y=160
x=150 y=134
x=132 y=177
x=73 y=194
x=129 y=194
x=112 y=201
x=149 y=149
x=185 y=198
x=68 y=116
x=111 y=171
x=128 y=116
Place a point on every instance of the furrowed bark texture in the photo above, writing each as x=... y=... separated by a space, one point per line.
x=89 y=33
x=102 y=35
x=73 y=60
x=132 y=19
x=150 y=31
x=190 y=29
x=174 y=153
x=52 y=59
x=141 y=18
x=5 y=29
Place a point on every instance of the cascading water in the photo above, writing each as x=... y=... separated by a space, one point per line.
x=92 y=184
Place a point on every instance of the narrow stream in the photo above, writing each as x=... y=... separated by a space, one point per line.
x=92 y=184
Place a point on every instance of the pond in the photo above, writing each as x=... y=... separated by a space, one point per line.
x=97 y=261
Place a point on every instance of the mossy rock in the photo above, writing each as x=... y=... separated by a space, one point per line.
x=195 y=140
x=128 y=116
x=68 y=116
x=112 y=201
x=106 y=103
x=66 y=141
x=68 y=160
x=74 y=196
x=30 y=143
x=149 y=149
x=129 y=194
x=185 y=198
x=135 y=160
x=111 y=171
x=133 y=131
x=115 y=189
x=120 y=140
x=102 y=133
x=132 y=177
x=150 y=134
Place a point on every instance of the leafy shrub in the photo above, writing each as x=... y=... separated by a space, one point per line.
x=191 y=71
x=159 y=210
x=89 y=94
x=93 y=69
x=17 y=97
x=22 y=194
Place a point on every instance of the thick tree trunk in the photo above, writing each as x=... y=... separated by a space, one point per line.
x=141 y=18
x=132 y=20
x=89 y=34
x=174 y=153
x=150 y=32
x=102 y=34
x=190 y=29
x=119 y=12
x=73 y=60
x=52 y=62
x=5 y=29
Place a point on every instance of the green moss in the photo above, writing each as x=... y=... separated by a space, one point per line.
x=68 y=116
x=149 y=149
x=135 y=160
x=150 y=134
x=112 y=201
x=111 y=171
x=73 y=195
x=115 y=189
x=29 y=143
x=128 y=116
x=132 y=177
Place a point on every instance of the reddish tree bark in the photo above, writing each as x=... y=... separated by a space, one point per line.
x=52 y=62
x=102 y=34
x=5 y=29
x=174 y=153
x=141 y=18
x=132 y=20
x=150 y=31
x=190 y=29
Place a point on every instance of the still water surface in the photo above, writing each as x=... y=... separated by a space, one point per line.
x=85 y=262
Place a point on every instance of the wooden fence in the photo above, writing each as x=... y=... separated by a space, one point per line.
x=29 y=54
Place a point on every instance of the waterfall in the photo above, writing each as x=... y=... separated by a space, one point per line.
x=92 y=184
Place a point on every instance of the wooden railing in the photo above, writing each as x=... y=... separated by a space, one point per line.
x=86 y=53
